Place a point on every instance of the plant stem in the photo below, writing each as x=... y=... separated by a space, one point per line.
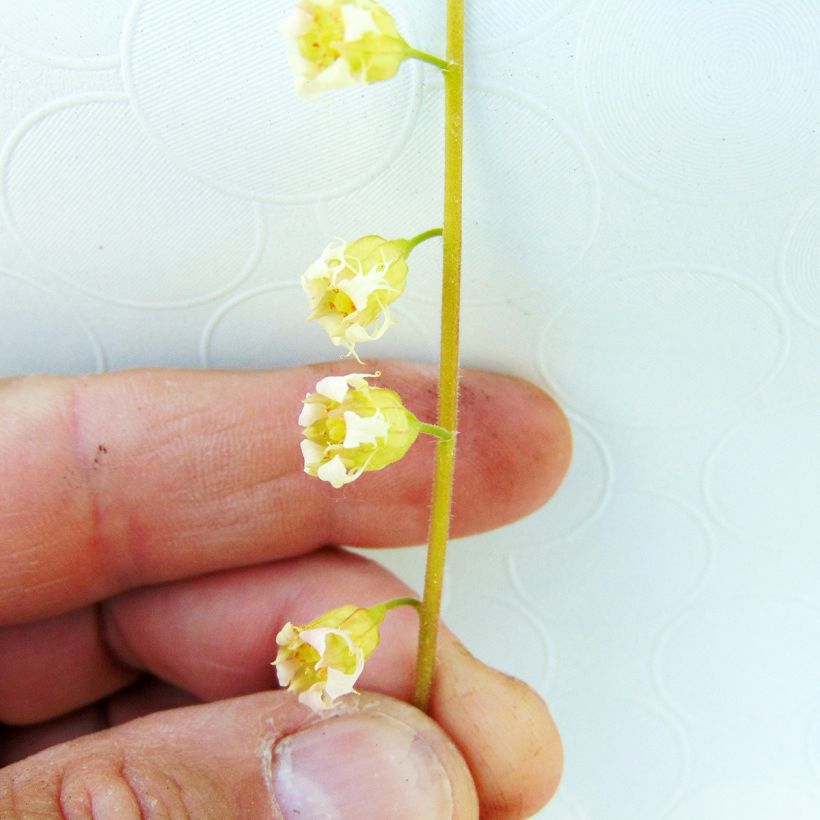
x=402 y=602
x=427 y=58
x=423 y=237
x=448 y=366
x=435 y=430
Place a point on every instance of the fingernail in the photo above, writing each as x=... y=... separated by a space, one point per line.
x=366 y=765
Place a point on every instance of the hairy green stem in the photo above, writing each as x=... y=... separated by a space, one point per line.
x=435 y=430
x=427 y=58
x=448 y=366
x=423 y=237
x=402 y=602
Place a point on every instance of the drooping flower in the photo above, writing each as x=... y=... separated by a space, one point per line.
x=350 y=288
x=322 y=660
x=340 y=43
x=351 y=427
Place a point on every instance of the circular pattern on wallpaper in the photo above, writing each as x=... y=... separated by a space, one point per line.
x=747 y=797
x=236 y=121
x=94 y=200
x=56 y=340
x=484 y=623
x=800 y=264
x=761 y=480
x=605 y=735
x=703 y=100
x=738 y=656
x=66 y=34
x=529 y=188
x=664 y=346
x=813 y=745
x=633 y=567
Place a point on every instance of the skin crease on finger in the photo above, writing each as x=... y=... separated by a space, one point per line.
x=533 y=458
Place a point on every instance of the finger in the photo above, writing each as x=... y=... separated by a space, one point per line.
x=145 y=697
x=214 y=636
x=122 y=480
x=211 y=636
x=504 y=730
x=248 y=757
x=17 y=742
x=56 y=666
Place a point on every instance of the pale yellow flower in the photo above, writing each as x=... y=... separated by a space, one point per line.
x=350 y=288
x=351 y=427
x=340 y=43
x=322 y=660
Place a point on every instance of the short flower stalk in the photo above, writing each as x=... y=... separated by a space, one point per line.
x=321 y=661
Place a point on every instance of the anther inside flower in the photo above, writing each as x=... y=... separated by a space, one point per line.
x=322 y=660
x=350 y=288
x=339 y=43
x=351 y=427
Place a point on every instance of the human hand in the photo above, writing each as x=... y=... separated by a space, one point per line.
x=156 y=530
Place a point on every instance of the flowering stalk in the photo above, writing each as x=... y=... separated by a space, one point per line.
x=448 y=363
x=349 y=427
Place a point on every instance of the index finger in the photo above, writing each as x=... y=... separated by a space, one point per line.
x=116 y=481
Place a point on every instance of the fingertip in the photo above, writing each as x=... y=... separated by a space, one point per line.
x=504 y=730
x=515 y=447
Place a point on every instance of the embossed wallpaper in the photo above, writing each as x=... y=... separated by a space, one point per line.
x=642 y=239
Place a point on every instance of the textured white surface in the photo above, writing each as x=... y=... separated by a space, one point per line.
x=642 y=238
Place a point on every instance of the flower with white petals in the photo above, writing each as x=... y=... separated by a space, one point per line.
x=351 y=427
x=350 y=288
x=339 y=43
x=323 y=660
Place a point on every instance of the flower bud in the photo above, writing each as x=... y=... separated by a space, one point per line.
x=351 y=286
x=340 y=43
x=350 y=428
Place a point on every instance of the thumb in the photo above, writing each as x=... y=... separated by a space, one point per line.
x=259 y=756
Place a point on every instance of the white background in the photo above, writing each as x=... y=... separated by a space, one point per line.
x=642 y=239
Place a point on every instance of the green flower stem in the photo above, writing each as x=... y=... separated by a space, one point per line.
x=434 y=430
x=402 y=602
x=448 y=368
x=422 y=237
x=427 y=58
